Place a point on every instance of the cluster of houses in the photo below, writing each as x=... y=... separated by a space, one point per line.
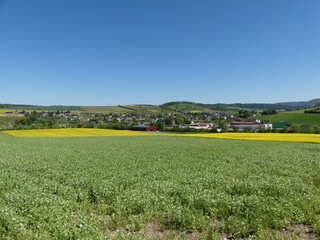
x=146 y=121
x=252 y=124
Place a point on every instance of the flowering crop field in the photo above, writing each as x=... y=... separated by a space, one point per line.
x=87 y=132
x=278 y=137
x=158 y=187
x=73 y=132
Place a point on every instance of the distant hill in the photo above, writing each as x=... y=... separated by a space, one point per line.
x=191 y=106
x=264 y=106
x=185 y=106
x=175 y=106
x=302 y=104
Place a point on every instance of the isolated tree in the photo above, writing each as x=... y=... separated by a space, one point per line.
x=235 y=128
x=159 y=125
x=261 y=128
x=315 y=129
x=247 y=129
x=294 y=129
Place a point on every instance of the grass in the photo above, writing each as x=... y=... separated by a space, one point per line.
x=146 y=108
x=105 y=109
x=139 y=187
x=297 y=118
x=4 y=121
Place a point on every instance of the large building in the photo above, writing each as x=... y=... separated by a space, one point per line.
x=243 y=125
x=201 y=125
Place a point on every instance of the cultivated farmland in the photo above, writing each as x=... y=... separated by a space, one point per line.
x=90 y=132
x=136 y=187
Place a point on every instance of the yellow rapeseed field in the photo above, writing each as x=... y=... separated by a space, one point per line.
x=6 y=110
x=280 y=137
x=91 y=132
x=73 y=132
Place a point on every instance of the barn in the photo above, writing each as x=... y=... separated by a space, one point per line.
x=144 y=128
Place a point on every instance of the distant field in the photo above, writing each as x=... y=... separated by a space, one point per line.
x=125 y=108
x=105 y=109
x=145 y=108
x=7 y=110
x=298 y=118
x=44 y=108
x=158 y=187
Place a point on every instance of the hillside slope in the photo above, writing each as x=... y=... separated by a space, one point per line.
x=302 y=104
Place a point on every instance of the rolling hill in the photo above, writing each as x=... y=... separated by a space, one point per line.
x=302 y=104
x=174 y=106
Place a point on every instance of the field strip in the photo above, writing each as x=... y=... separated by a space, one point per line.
x=274 y=137
x=89 y=132
x=73 y=132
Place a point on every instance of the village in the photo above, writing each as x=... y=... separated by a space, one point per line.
x=216 y=121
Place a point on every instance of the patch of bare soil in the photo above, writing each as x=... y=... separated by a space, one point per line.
x=153 y=231
x=301 y=232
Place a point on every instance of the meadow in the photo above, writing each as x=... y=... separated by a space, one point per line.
x=136 y=187
x=104 y=109
x=297 y=117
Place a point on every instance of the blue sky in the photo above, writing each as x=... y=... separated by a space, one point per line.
x=109 y=52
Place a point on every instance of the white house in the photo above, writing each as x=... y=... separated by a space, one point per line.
x=201 y=125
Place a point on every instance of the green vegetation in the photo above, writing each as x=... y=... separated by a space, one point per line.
x=191 y=106
x=264 y=106
x=105 y=109
x=5 y=121
x=297 y=118
x=146 y=108
x=141 y=187
x=313 y=110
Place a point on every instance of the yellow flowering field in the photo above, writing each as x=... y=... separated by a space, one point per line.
x=91 y=132
x=73 y=132
x=281 y=137
x=6 y=110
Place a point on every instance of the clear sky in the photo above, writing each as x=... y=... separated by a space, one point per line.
x=109 y=52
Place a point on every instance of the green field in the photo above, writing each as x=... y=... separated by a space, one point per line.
x=146 y=108
x=158 y=187
x=105 y=109
x=295 y=117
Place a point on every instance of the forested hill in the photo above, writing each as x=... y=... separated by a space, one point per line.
x=188 y=106
x=302 y=104
x=176 y=106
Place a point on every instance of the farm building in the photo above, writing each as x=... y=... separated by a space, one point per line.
x=201 y=125
x=281 y=124
x=144 y=128
x=243 y=125
x=253 y=125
